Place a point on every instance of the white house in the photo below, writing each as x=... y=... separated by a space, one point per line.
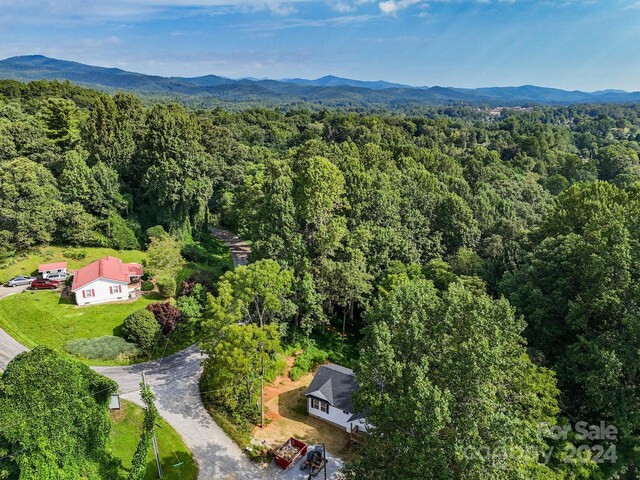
x=105 y=280
x=329 y=398
x=47 y=269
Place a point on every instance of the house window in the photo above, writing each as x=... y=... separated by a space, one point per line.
x=115 y=289
x=319 y=405
x=88 y=293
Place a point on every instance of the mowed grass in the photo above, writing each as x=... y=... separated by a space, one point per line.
x=44 y=318
x=125 y=433
x=28 y=265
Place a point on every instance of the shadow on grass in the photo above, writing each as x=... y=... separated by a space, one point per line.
x=170 y=468
x=154 y=296
x=67 y=300
x=117 y=331
x=293 y=404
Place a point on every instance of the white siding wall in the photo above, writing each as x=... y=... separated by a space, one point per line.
x=102 y=292
x=335 y=416
x=49 y=272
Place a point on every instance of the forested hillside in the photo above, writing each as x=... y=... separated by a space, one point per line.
x=326 y=92
x=488 y=265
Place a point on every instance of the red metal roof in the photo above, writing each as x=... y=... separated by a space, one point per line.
x=52 y=266
x=108 y=268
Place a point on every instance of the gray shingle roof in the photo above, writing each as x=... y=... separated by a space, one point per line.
x=335 y=384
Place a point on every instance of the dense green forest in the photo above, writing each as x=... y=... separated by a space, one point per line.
x=488 y=265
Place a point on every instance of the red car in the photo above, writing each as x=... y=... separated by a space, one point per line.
x=43 y=284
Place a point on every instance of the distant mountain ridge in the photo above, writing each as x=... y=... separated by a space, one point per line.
x=331 y=81
x=328 y=90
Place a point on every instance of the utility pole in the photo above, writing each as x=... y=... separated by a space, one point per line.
x=155 y=442
x=262 y=386
x=324 y=455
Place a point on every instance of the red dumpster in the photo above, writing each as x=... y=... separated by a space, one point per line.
x=290 y=452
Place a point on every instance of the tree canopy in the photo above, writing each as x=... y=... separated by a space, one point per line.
x=54 y=417
x=345 y=210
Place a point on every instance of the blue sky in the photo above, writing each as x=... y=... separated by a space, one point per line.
x=571 y=44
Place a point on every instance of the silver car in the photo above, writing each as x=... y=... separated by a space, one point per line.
x=20 y=280
x=60 y=277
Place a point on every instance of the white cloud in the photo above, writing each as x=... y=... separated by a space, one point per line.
x=391 y=7
x=292 y=23
x=633 y=6
x=74 y=11
x=342 y=7
x=63 y=12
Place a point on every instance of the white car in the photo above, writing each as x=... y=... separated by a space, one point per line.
x=59 y=277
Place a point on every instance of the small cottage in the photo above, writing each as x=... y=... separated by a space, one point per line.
x=47 y=269
x=329 y=398
x=105 y=280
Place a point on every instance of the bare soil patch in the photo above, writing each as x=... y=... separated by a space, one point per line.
x=286 y=411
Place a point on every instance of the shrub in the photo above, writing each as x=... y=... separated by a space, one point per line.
x=120 y=235
x=166 y=286
x=102 y=348
x=275 y=369
x=147 y=286
x=190 y=308
x=155 y=231
x=196 y=278
x=167 y=316
x=295 y=373
x=194 y=252
x=163 y=256
x=307 y=361
x=142 y=329
x=74 y=254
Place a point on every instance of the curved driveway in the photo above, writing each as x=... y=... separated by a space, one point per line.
x=174 y=381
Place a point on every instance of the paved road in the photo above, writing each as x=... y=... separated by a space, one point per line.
x=6 y=291
x=9 y=348
x=174 y=380
x=239 y=249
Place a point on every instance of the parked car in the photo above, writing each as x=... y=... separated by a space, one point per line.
x=44 y=284
x=20 y=280
x=59 y=277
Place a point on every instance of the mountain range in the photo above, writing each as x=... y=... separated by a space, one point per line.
x=327 y=91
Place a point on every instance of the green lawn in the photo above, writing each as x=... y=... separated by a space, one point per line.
x=29 y=264
x=42 y=318
x=125 y=432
